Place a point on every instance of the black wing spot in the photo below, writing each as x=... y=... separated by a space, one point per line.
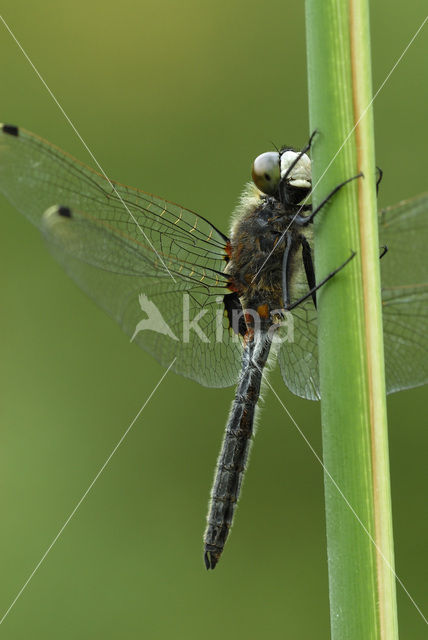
x=10 y=129
x=65 y=212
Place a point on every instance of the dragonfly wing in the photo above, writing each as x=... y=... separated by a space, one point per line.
x=34 y=175
x=170 y=319
x=403 y=228
x=298 y=355
x=139 y=257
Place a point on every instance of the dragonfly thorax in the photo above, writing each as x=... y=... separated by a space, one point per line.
x=257 y=245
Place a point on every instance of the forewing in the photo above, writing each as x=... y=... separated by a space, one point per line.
x=403 y=228
x=34 y=175
x=119 y=244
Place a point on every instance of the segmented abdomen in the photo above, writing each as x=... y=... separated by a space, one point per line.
x=236 y=445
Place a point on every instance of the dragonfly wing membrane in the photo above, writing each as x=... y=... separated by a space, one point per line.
x=152 y=265
x=403 y=228
x=298 y=355
x=169 y=319
x=34 y=175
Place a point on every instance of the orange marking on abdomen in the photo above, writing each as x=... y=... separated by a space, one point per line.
x=263 y=310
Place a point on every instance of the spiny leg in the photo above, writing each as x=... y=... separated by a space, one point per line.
x=298 y=157
x=379 y=179
x=309 y=267
x=290 y=307
x=310 y=273
x=305 y=220
x=285 y=269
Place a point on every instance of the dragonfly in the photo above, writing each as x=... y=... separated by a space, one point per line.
x=217 y=306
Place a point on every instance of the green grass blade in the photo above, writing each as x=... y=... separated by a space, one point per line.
x=355 y=445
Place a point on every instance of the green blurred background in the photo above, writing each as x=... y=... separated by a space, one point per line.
x=176 y=98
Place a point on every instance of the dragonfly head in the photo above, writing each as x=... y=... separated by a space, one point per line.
x=283 y=171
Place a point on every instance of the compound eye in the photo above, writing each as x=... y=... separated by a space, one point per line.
x=266 y=172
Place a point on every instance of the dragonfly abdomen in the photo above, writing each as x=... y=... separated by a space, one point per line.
x=235 y=448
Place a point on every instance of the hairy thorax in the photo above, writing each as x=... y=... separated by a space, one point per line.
x=258 y=243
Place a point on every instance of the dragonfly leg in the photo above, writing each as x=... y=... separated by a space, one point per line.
x=303 y=221
x=285 y=270
x=384 y=250
x=308 y=263
x=299 y=155
x=379 y=178
x=289 y=307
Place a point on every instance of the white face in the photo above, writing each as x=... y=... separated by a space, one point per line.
x=271 y=167
x=300 y=175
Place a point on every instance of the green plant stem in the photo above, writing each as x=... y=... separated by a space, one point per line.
x=355 y=444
